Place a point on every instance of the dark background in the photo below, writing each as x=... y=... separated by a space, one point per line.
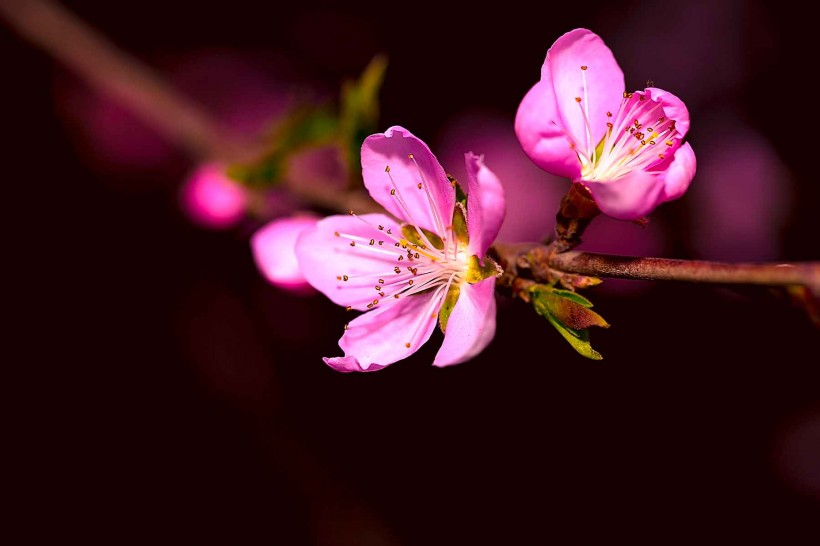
x=177 y=396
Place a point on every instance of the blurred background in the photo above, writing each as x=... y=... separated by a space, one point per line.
x=177 y=394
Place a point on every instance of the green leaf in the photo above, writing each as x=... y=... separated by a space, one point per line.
x=573 y=296
x=578 y=339
x=570 y=314
x=301 y=128
x=359 y=110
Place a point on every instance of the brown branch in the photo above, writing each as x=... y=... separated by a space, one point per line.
x=544 y=264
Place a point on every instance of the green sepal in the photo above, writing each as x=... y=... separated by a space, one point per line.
x=412 y=236
x=570 y=314
x=460 y=224
x=477 y=272
x=448 y=306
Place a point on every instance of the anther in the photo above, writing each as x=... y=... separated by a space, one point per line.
x=409 y=156
x=381 y=228
x=396 y=296
x=345 y=278
x=393 y=192
x=609 y=114
x=350 y=212
x=381 y=281
x=347 y=326
x=381 y=294
x=370 y=306
x=410 y=283
x=419 y=185
x=584 y=67
x=372 y=242
x=389 y=232
x=381 y=243
x=348 y=308
x=397 y=269
x=577 y=99
x=407 y=345
x=416 y=255
x=378 y=288
x=387 y=169
x=401 y=258
x=375 y=302
x=336 y=233
x=396 y=245
x=352 y=243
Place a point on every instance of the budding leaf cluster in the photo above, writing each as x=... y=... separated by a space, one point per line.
x=570 y=313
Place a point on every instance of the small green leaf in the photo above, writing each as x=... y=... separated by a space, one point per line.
x=573 y=296
x=578 y=339
x=301 y=128
x=577 y=317
x=359 y=110
x=570 y=314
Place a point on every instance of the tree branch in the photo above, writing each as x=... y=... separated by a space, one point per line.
x=544 y=264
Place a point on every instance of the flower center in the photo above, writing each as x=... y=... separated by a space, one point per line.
x=639 y=136
x=422 y=262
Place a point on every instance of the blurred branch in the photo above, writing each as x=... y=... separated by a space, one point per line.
x=115 y=73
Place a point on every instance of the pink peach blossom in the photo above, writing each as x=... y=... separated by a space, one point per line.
x=211 y=199
x=406 y=273
x=274 y=250
x=579 y=122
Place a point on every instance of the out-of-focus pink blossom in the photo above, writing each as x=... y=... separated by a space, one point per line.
x=410 y=276
x=211 y=199
x=579 y=122
x=532 y=195
x=742 y=201
x=274 y=250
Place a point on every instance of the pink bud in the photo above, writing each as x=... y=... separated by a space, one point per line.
x=211 y=199
x=274 y=251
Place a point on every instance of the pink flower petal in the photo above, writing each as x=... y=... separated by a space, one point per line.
x=601 y=94
x=673 y=107
x=486 y=205
x=325 y=258
x=629 y=197
x=274 y=250
x=380 y=337
x=680 y=172
x=429 y=207
x=471 y=326
x=540 y=131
